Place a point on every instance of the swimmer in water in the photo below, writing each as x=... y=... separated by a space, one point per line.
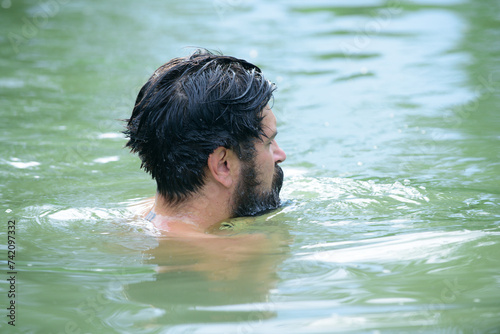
x=204 y=130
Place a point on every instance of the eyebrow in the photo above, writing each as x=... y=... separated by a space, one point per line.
x=275 y=133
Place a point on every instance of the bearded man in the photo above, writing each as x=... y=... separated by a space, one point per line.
x=204 y=130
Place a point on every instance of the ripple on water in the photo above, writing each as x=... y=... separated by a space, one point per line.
x=350 y=190
x=17 y=163
x=336 y=201
x=432 y=247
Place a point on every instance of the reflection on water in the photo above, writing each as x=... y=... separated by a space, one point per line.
x=387 y=111
x=229 y=271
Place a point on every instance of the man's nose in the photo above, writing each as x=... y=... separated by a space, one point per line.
x=279 y=154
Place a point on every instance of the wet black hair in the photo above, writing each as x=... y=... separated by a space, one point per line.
x=189 y=107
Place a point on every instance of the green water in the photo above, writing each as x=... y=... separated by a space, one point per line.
x=388 y=112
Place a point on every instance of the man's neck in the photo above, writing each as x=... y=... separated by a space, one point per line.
x=196 y=214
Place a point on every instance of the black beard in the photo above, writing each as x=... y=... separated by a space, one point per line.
x=249 y=200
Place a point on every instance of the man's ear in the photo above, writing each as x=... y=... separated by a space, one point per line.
x=223 y=164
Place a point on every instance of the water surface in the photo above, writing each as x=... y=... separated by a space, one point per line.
x=388 y=112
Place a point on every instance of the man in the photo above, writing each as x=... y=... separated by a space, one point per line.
x=204 y=130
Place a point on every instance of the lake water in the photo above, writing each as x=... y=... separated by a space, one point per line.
x=388 y=112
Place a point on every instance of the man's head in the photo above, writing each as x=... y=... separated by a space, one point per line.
x=192 y=106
